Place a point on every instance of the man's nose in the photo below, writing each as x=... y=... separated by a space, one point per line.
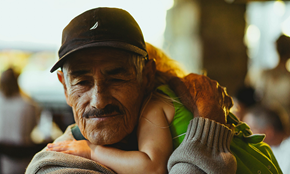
x=100 y=97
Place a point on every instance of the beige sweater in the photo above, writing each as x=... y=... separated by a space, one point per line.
x=205 y=149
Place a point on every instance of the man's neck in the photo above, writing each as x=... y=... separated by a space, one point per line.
x=129 y=143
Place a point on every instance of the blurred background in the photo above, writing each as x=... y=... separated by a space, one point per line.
x=231 y=41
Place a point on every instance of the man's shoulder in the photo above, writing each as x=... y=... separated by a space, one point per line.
x=67 y=135
x=57 y=162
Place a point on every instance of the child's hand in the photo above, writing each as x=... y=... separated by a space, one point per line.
x=80 y=148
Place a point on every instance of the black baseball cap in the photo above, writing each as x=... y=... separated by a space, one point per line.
x=101 y=27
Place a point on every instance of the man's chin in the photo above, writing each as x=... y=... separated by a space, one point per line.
x=105 y=140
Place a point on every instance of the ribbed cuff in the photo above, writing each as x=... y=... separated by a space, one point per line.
x=209 y=133
x=206 y=146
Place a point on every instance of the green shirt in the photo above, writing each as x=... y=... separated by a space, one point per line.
x=181 y=119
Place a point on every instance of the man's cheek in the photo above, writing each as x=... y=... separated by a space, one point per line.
x=79 y=107
x=77 y=97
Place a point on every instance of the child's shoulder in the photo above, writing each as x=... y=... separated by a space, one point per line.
x=159 y=105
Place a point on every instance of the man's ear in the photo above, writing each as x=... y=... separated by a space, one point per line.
x=148 y=75
x=60 y=77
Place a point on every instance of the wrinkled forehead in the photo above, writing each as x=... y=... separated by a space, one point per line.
x=100 y=58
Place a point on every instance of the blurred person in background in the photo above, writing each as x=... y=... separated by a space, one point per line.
x=243 y=100
x=273 y=122
x=18 y=116
x=273 y=86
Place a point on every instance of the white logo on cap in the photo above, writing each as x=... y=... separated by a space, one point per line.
x=95 y=26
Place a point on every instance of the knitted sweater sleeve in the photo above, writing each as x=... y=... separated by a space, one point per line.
x=56 y=162
x=205 y=149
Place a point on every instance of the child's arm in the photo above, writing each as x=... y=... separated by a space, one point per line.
x=154 y=141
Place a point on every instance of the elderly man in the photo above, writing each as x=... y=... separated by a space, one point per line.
x=106 y=77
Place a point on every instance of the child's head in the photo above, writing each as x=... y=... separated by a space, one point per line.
x=165 y=66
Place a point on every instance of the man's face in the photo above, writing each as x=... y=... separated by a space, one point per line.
x=103 y=91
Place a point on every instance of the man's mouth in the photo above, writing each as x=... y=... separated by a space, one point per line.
x=103 y=116
x=109 y=111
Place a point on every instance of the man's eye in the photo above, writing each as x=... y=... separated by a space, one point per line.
x=117 y=80
x=84 y=83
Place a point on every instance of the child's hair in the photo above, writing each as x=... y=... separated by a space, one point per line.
x=166 y=68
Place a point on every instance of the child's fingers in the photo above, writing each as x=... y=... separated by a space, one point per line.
x=65 y=143
x=51 y=145
x=58 y=148
x=61 y=150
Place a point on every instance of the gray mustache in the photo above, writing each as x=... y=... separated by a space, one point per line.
x=101 y=112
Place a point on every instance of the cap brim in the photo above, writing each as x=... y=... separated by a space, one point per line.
x=112 y=44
